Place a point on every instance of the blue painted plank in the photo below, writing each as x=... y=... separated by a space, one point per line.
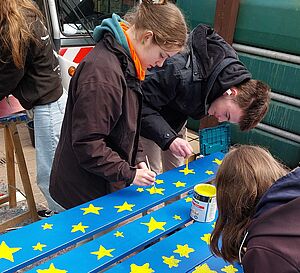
x=178 y=253
x=217 y=265
x=56 y=232
x=135 y=235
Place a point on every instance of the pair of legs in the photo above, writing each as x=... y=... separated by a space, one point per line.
x=162 y=161
x=47 y=125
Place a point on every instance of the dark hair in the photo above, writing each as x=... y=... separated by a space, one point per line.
x=253 y=98
x=245 y=174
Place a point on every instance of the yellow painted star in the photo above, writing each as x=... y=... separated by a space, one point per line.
x=51 y=269
x=145 y=268
x=39 y=246
x=124 y=207
x=188 y=199
x=171 y=261
x=154 y=190
x=154 y=225
x=119 y=234
x=184 y=250
x=102 y=251
x=187 y=171
x=179 y=184
x=217 y=161
x=206 y=238
x=79 y=227
x=140 y=189
x=204 y=268
x=91 y=209
x=177 y=217
x=47 y=226
x=159 y=181
x=229 y=269
x=209 y=172
x=6 y=252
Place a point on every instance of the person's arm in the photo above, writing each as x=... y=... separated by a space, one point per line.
x=258 y=260
x=97 y=110
x=159 y=89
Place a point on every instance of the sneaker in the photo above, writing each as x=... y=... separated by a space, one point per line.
x=45 y=213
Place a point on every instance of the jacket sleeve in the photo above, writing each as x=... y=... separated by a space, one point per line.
x=159 y=88
x=96 y=111
x=259 y=260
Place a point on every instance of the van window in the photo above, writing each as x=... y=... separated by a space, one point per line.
x=79 y=17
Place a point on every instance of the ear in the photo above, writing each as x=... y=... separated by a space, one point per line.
x=147 y=35
x=233 y=91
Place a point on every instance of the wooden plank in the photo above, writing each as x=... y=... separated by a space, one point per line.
x=178 y=253
x=123 y=240
x=217 y=265
x=55 y=232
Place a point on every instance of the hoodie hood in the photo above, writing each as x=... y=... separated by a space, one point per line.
x=284 y=190
x=112 y=25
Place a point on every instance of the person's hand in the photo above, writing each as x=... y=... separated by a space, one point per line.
x=142 y=165
x=144 y=177
x=181 y=147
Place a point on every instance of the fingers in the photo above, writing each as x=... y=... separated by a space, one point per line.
x=181 y=147
x=144 y=177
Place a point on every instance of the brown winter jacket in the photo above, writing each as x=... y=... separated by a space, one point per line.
x=100 y=131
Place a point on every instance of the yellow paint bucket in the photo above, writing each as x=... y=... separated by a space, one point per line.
x=204 y=204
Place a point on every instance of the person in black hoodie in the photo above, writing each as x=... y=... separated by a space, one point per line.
x=206 y=79
x=258 y=212
x=29 y=70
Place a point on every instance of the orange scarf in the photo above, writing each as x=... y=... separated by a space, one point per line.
x=138 y=67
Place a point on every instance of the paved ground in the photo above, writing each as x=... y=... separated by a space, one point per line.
x=29 y=153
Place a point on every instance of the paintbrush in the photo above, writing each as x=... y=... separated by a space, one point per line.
x=148 y=165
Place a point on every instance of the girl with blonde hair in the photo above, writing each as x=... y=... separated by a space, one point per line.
x=258 y=212
x=29 y=70
x=97 y=152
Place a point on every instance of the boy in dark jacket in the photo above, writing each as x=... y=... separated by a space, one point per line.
x=207 y=79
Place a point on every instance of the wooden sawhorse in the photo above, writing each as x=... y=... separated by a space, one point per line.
x=13 y=147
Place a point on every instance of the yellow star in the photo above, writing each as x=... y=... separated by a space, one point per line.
x=229 y=269
x=187 y=171
x=154 y=190
x=39 y=246
x=47 y=226
x=159 y=181
x=177 y=217
x=204 y=268
x=154 y=225
x=119 y=234
x=217 y=161
x=6 y=251
x=171 y=261
x=140 y=189
x=79 y=227
x=209 y=172
x=183 y=250
x=103 y=252
x=51 y=269
x=91 y=209
x=179 y=184
x=145 y=268
x=206 y=238
x=124 y=207
x=188 y=199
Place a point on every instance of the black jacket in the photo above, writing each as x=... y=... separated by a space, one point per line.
x=39 y=82
x=99 y=138
x=273 y=240
x=178 y=90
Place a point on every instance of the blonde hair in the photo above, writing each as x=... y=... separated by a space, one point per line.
x=15 y=30
x=164 y=19
x=245 y=174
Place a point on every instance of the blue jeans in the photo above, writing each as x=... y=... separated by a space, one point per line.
x=47 y=125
